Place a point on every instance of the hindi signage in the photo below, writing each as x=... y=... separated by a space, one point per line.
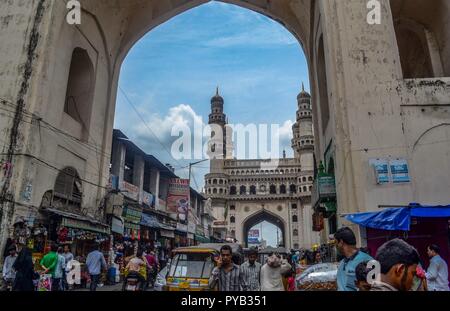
x=129 y=190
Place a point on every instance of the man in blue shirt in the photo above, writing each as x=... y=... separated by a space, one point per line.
x=95 y=262
x=345 y=241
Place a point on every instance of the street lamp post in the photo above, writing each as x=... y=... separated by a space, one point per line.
x=189 y=205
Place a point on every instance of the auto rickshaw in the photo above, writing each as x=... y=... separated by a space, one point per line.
x=191 y=267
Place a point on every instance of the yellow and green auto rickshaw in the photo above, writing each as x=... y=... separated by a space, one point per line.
x=191 y=267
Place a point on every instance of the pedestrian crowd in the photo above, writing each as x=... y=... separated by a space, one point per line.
x=396 y=267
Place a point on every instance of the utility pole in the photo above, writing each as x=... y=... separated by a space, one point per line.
x=189 y=205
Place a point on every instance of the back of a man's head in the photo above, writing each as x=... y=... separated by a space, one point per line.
x=394 y=252
x=346 y=235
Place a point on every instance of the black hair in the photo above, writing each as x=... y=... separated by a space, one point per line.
x=361 y=271
x=435 y=248
x=394 y=252
x=60 y=249
x=54 y=247
x=226 y=248
x=139 y=253
x=346 y=235
x=253 y=251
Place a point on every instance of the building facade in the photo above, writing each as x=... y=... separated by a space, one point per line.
x=247 y=192
x=379 y=91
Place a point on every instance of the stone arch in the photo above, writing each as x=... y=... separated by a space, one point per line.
x=260 y=216
x=67 y=191
x=80 y=91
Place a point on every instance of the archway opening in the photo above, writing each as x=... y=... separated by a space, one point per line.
x=264 y=229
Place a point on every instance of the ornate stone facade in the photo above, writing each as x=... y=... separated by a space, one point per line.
x=245 y=192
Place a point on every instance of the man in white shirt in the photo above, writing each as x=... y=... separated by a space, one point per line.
x=437 y=273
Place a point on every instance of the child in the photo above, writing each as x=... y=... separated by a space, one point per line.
x=361 y=271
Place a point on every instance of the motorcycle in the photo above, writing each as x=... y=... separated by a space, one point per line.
x=132 y=283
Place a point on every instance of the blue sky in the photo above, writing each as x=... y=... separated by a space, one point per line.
x=171 y=74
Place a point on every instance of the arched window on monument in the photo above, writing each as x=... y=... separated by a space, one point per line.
x=67 y=190
x=294 y=218
x=252 y=189
x=421 y=39
x=273 y=189
x=243 y=190
x=232 y=219
x=80 y=90
x=233 y=190
x=292 y=188
x=283 y=189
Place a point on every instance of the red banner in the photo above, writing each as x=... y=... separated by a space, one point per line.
x=178 y=196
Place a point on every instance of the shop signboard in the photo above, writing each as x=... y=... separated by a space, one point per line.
x=130 y=191
x=181 y=227
x=147 y=198
x=381 y=169
x=218 y=223
x=253 y=236
x=84 y=225
x=327 y=186
x=132 y=214
x=178 y=196
x=399 y=170
x=117 y=225
x=167 y=233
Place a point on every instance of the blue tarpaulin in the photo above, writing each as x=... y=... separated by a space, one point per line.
x=397 y=218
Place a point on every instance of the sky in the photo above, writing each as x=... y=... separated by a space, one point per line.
x=170 y=75
x=267 y=232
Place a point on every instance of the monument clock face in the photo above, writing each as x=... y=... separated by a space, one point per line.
x=262 y=188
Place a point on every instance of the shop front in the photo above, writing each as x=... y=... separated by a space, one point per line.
x=418 y=225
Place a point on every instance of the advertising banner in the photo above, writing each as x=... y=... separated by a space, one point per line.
x=253 y=236
x=178 y=196
x=399 y=170
x=147 y=198
x=129 y=190
x=381 y=168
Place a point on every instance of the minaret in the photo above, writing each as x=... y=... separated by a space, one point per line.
x=217 y=120
x=303 y=140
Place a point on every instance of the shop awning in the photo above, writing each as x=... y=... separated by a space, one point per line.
x=71 y=220
x=397 y=218
x=151 y=221
x=202 y=239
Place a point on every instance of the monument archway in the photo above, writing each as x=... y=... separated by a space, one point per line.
x=259 y=217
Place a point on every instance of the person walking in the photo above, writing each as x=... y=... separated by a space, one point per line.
x=398 y=266
x=346 y=246
x=437 y=272
x=251 y=272
x=8 y=272
x=49 y=262
x=24 y=271
x=68 y=257
x=59 y=271
x=226 y=275
x=152 y=265
x=95 y=262
x=272 y=273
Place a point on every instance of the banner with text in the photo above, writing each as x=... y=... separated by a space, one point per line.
x=178 y=196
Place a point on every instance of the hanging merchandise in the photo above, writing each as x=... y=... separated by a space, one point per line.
x=62 y=234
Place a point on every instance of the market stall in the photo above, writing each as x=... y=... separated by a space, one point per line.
x=419 y=225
